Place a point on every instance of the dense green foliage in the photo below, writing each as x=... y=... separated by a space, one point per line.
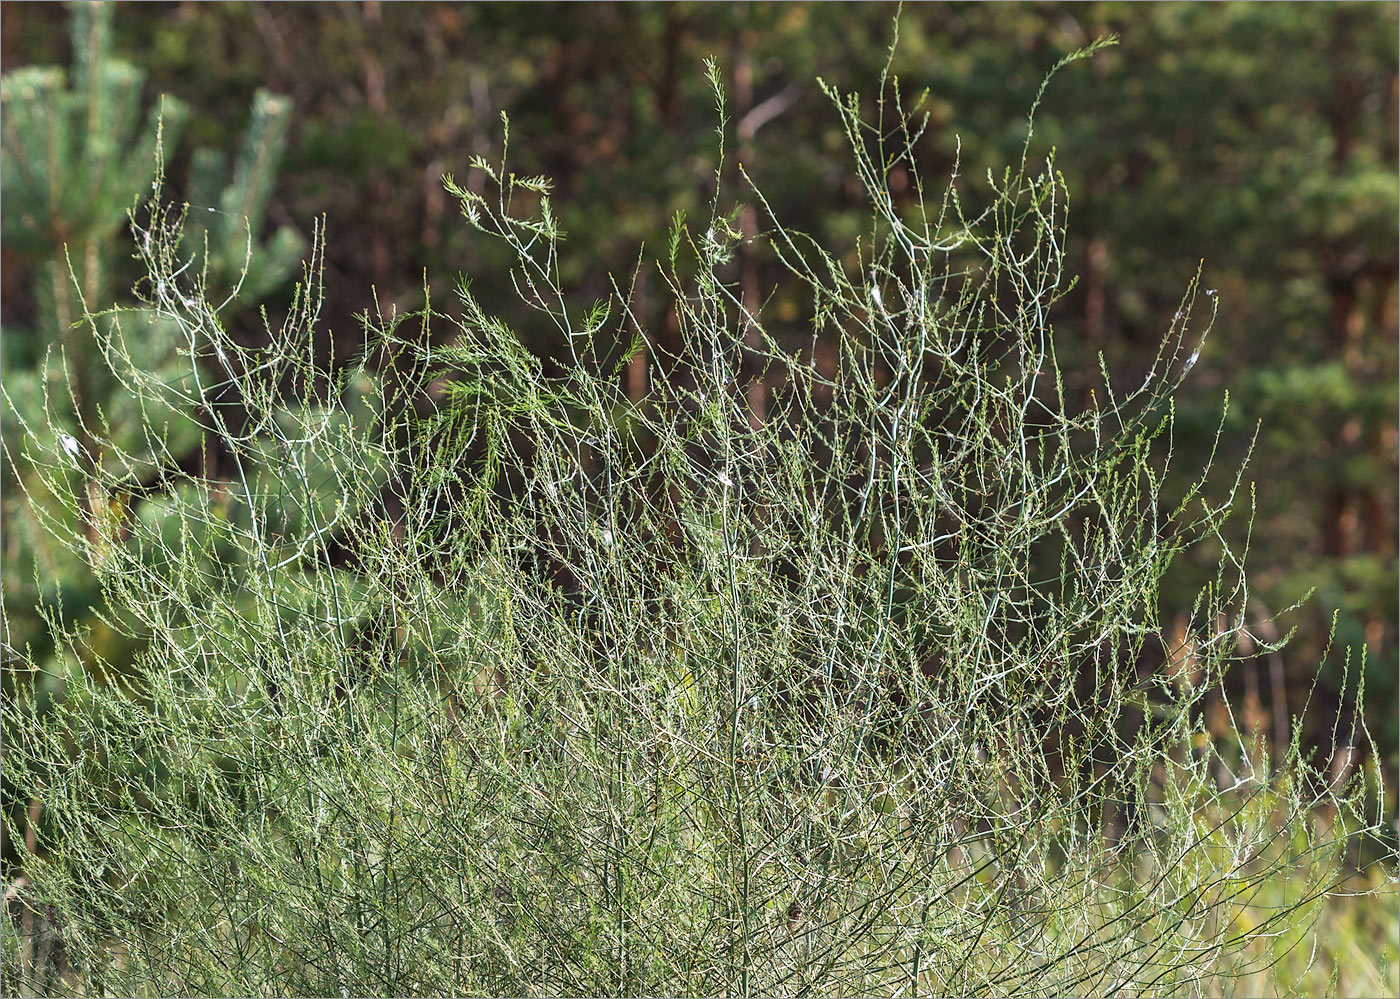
x=837 y=597
x=464 y=673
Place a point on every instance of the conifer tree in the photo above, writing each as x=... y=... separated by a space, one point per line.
x=78 y=155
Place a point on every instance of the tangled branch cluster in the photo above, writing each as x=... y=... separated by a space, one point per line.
x=465 y=674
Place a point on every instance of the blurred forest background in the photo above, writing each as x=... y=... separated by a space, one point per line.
x=1259 y=139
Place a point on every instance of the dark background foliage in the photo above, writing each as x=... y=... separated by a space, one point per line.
x=1259 y=139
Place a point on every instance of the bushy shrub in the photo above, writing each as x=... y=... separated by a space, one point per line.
x=471 y=673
